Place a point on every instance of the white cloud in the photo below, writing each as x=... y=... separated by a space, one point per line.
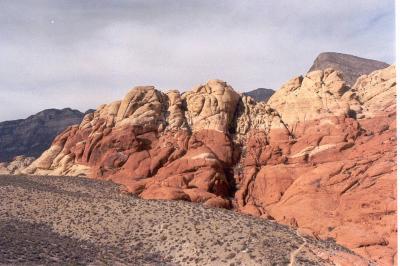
x=95 y=51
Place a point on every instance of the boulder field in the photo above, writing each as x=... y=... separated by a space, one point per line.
x=319 y=155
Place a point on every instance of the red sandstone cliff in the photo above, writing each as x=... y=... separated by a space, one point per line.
x=318 y=155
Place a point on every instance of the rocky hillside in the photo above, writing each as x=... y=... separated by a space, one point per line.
x=260 y=94
x=318 y=156
x=33 y=135
x=54 y=220
x=351 y=66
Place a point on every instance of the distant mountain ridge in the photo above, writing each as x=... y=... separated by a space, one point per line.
x=351 y=66
x=33 y=135
x=260 y=94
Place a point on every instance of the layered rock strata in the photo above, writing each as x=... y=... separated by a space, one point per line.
x=331 y=169
x=319 y=155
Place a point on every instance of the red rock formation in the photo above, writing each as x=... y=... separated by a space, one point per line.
x=160 y=146
x=319 y=155
x=333 y=175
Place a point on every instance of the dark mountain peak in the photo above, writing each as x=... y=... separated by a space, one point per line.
x=54 y=113
x=260 y=94
x=33 y=135
x=88 y=111
x=351 y=66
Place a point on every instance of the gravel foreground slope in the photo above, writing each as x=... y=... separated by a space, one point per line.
x=71 y=220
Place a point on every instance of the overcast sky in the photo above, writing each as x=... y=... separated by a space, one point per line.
x=80 y=54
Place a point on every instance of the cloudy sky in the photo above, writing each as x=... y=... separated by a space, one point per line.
x=79 y=54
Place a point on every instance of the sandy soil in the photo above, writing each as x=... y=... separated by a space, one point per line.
x=71 y=220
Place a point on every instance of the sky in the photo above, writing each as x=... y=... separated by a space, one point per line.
x=80 y=54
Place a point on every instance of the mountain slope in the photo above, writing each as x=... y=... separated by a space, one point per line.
x=351 y=66
x=45 y=220
x=33 y=135
x=260 y=94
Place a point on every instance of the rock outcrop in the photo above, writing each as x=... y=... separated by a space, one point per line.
x=351 y=66
x=260 y=94
x=330 y=170
x=319 y=155
x=160 y=146
x=16 y=166
x=32 y=136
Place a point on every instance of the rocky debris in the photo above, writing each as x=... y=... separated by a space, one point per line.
x=318 y=155
x=32 y=136
x=260 y=94
x=351 y=66
x=16 y=166
x=73 y=220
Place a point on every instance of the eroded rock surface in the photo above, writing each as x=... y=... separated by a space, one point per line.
x=160 y=146
x=331 y=171
x=16 y=166
x=319 y=155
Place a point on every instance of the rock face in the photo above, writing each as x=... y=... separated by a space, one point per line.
x=160 y=146
x=351 y=66
x=330 y=169
x=33 y=135
x=260 y=94
x=16 y=166
x=319 y=155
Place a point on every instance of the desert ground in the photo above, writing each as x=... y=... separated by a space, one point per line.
x=72 y=220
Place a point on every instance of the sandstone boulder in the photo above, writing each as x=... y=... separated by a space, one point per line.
x=211 y=106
